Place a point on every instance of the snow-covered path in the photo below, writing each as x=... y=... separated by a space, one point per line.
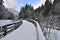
x=26 y=31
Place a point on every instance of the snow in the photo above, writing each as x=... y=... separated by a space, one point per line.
x=41 y=37
x=5 y=22
x=57 y=35
x=26 y=31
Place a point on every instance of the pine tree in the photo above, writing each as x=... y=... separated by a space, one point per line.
x=48 y=5
x=56 y=1
x=1 y=2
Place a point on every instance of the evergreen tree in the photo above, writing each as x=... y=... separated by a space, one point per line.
x=1 y=16
x=48 y=6
x=1 y=2
x=10 y=16
x=56 y=1
x=26 y=12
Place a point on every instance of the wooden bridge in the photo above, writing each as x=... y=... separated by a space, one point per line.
x=6 y=29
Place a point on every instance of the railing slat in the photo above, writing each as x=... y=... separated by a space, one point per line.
x=6 y=29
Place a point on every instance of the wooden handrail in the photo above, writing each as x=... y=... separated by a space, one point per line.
x=6 y=29
x=56 y=28
x=11 y=23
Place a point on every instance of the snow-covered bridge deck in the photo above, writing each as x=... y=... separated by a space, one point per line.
x=26 y=31
x=8 y=26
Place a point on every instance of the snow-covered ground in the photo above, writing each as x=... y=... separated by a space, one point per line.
x=5 y=22
x=26 y=31
x=57 y=35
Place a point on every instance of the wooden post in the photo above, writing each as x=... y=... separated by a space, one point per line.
x=5 y=30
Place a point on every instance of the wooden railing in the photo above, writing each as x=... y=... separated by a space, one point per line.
x=6 y=29
x=35 y=24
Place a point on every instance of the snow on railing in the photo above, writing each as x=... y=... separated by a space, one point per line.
x=6 y=29
x=38 y=30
